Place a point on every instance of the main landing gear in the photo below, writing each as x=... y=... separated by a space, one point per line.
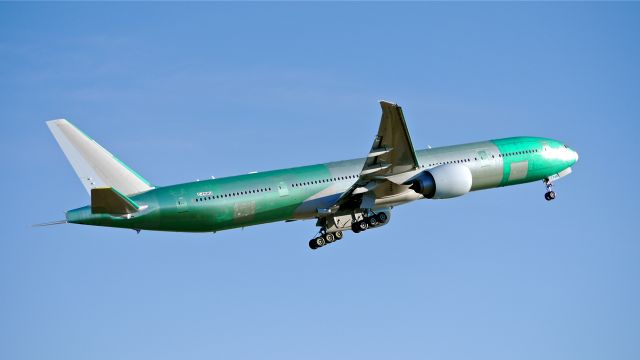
x=550 y=194
x=369 y=222
x=325 y=239
x=359 y=223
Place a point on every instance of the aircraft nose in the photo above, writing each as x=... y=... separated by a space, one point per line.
x=574 y=155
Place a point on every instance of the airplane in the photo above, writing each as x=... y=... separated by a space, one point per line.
x=355 y=195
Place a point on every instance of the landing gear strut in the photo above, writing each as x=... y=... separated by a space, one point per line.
x=550 y=194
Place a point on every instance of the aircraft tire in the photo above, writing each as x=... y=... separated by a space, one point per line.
x=317 y=242
x=382 y=218
x=550 y=195
x=329 y=238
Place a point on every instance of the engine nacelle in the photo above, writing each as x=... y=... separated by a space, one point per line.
x=443 y=182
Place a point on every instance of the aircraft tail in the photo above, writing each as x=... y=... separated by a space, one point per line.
x=94 y=165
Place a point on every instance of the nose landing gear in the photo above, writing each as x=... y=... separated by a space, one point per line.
x=550 y=194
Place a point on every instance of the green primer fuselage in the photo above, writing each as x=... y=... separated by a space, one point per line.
x=298 y=193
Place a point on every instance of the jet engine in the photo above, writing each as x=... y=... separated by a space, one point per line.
x=443 y=182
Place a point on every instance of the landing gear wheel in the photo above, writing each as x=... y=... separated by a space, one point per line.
x=338 y=234
x=317 y=242
x=382 y=218
x=329 y=238
x=550 y=195
x=372 y=221
x=359 y=226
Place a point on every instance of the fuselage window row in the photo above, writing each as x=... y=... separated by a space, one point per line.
x=233 y=194
x=340 y=178
x=476 y=159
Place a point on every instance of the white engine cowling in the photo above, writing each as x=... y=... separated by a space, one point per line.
x=443 y=182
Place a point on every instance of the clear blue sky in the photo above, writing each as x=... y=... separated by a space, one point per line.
x=186 y=91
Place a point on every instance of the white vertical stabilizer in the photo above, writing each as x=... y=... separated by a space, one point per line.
x=95 y=166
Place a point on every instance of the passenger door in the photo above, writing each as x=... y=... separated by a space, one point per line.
x=283 y=190
x=181 y=204
x=484 y=158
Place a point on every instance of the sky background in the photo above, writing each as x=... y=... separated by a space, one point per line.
x=185 y=91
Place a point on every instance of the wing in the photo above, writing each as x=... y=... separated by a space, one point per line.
x=392 y=151
x=391 y=154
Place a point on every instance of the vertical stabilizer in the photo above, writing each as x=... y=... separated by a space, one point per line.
x=94 y=165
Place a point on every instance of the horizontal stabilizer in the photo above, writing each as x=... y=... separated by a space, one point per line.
x=111 y=201
x=95 y=166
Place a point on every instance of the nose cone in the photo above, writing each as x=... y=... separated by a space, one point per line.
x=574 y=156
